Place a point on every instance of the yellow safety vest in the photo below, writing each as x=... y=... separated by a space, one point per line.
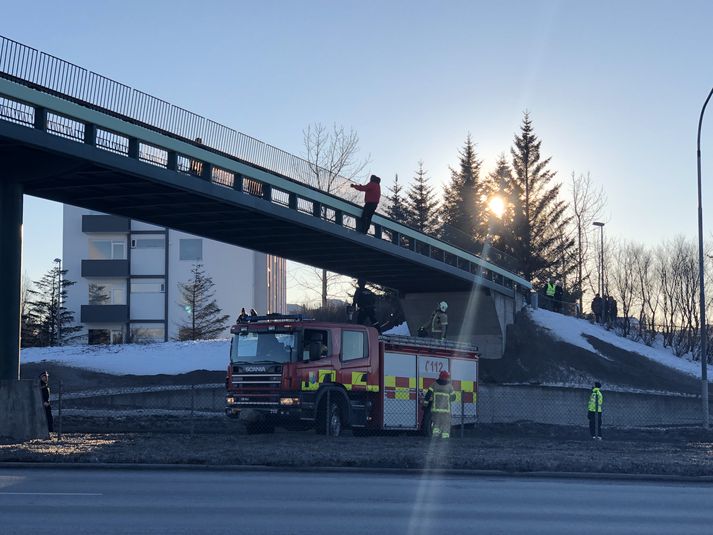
x=442 y=397
x=550 y=290
x=595 y=401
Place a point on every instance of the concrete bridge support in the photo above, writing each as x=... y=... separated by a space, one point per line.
x=21 y=412
x=479 y=317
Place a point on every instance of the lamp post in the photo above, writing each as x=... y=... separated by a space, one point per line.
x=59 y=300
x=601 y=257
x=702 y=298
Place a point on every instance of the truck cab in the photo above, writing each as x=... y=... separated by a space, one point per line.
x=294 y=372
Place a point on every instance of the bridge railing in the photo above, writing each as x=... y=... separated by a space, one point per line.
x=28 y=64
x=49 y=74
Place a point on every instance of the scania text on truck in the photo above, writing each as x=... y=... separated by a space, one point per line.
x=294 y=372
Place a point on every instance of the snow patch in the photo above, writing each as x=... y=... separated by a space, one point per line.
x=572 y=331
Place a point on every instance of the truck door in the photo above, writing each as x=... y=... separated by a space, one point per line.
x=464 y=380
x=428 y=369
x=400 y=395
x=315 y=369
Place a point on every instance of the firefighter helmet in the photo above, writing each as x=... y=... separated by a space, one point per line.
x=443 y=306
x=444 y=375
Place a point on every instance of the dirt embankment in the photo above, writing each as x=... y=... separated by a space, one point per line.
x=517 y=449
x=532 y=355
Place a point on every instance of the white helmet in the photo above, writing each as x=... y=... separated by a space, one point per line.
x=443 y=306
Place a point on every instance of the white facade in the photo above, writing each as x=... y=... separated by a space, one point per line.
x=127 y=276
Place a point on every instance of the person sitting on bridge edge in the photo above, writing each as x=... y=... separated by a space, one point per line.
x=243 y=317
x=365 y=303
x=594 y=411
x=438 y=399
x=439 y=321
x=372 y=194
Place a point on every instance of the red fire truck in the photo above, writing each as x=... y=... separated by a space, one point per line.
x=294 y=372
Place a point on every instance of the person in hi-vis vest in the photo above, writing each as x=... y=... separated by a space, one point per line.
x=438 y=399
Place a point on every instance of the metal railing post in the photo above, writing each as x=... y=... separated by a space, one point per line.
x=462 y=414
x=59 y=413
x=193 y=408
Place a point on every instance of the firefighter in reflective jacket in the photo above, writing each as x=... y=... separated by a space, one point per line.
x=594 y=411
x=438 y=399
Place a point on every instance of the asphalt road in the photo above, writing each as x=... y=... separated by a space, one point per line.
x=58 y=501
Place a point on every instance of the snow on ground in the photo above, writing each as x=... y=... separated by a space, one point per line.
x=137 y=359
x=213 y=355
x=570 y=330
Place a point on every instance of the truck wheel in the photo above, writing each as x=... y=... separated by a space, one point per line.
x=335 y=420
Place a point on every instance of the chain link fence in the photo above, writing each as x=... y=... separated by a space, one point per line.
x=200 y=409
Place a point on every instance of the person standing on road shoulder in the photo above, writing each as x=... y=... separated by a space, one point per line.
x=594 y=411
x=45 y=390
x=438 y=399
x=372 y=194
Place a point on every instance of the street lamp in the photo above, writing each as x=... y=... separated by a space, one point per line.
x=59 y=300
x=601 y=257
x=704 y=359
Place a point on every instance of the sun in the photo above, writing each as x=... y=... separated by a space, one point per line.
x=497 y=206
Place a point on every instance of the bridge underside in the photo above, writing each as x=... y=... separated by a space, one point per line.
x=118 y=185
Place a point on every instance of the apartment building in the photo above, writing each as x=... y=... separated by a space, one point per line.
x=127 y=276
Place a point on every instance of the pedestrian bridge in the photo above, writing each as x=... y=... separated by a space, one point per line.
x=73 y=136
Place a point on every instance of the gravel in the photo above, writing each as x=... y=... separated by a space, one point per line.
x=512 y=448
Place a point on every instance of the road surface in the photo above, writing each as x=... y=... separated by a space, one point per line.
x=273 y=502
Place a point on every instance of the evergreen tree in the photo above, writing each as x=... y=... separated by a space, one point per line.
x=397 y=210
x=499 y=185
x=463 y=212
x=204 y=321
x=46 y=321
x=421 y=204
x=539 y=215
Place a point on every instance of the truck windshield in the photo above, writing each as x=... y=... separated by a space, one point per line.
x=255 y=347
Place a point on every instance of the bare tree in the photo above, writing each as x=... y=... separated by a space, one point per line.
x=647 y=293
x=332 y=157
x=586 y=204
x=621 y=276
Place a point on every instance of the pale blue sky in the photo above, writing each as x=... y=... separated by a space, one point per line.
x=613 y=88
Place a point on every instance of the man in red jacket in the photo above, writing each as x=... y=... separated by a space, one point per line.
x=372 y=194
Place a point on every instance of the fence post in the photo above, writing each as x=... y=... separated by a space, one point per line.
x=59 y=414
x=462 y=413
x=193 y=407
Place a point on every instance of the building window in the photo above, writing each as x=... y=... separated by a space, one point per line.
x=117 y=336
x=144 y=334
x=353 y=346
x=106 y=294
x=98 y=336
x=147 y=287
x=107 y=250
x=147 y=243
x=191 y=249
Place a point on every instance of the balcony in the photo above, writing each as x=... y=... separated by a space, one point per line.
x=105 y=223
x=105 y=268
x=104 y=314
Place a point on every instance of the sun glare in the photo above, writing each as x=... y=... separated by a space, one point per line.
x=497 y=206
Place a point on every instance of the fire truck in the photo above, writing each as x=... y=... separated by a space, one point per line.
x=289 y=371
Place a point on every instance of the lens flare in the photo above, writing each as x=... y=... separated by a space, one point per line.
x=497 y=206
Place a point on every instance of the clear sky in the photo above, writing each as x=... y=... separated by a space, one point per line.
x=613 y=88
